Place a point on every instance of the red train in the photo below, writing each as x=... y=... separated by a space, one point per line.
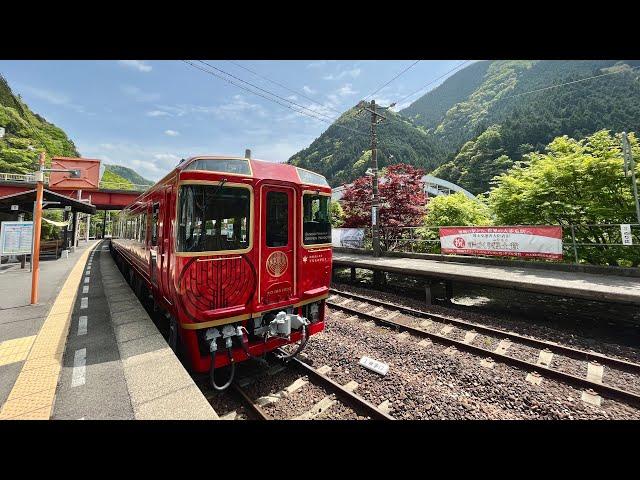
x=235 y=252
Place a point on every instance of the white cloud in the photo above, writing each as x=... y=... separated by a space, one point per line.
x=139 y=95
x=308 y=90
x=54 y=98
x=171 y=133
x=346 y=90
x=158 y=113
x=319 y=64
x=353 y=73
x=136 y=65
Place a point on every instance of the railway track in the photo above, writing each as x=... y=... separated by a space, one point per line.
x=334 y=392
x=422 y=324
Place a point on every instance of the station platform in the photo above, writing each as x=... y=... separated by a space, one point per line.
x=587 y=286
x=88 y=350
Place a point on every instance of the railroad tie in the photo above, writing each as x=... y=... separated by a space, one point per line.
x=324 y=369
x=447 y=329
x=385 y=407
x=545 y=357
x=350 y=386
x=425 y=342
x=230 y=416
x=376 y=310
x=503 y=346
x=591 y=397
x=393 y=315
x=404 y=336
x=487 y=363
x=363 y=305
x=319 y=408
x=352 y=318
x=595 y=372
x=346 y=302
x=450 y=350
x=370 y=324
x=425 y=323
x=534 y=377
x=470 y=336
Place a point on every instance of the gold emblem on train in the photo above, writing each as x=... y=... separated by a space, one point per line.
x=277 y=264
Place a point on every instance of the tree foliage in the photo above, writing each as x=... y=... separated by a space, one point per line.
x=456 y=210
x=577 y=182
x=24 y=129
x=403 y=200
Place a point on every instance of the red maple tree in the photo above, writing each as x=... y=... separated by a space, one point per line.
x=402 y=202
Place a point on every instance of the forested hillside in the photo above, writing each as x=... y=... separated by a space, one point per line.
x=129 y=174
x=343 y=154
x=503 y=118
x=25 y=129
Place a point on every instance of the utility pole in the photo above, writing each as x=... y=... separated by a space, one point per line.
x=37 y=224
x=630 y=165
x=375 y=200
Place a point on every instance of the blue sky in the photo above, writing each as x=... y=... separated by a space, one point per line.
x=148 y=114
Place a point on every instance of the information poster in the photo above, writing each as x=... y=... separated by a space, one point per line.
x=16 y=238
x=538 y=241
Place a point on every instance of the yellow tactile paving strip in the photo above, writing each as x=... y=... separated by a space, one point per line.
x=33 y=393
x=15 y=350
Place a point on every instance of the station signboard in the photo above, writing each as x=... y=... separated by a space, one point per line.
x=16 y=238
x=504 y=241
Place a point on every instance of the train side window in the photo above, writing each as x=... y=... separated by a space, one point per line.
x=154 y=224
x=316 y=226
x=277 y=219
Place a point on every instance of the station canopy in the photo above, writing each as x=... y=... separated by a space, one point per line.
x=25 y=201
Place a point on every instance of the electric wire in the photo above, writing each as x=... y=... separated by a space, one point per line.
x=286 y=105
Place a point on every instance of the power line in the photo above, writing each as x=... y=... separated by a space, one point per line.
x=570 y=83
x=399 y=74
x=432 y=82
x=314 y=112
x=268 y=98
x=293 y=91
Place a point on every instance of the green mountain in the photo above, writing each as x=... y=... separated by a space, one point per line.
x=113 y=181
x=127 y=173
x=24 y=129
x=343 y=152
x=503 y=117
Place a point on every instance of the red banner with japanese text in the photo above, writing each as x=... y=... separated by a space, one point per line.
x=517 y=241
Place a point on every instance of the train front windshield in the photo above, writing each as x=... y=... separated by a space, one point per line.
x=213 y=218
x=317 y=224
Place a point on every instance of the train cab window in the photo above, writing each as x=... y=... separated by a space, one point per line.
x=316 y=226
x=213 y=218
x=277 y=212
x=230 y=165
x=155 y=209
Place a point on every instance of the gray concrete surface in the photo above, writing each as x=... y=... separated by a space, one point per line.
x=18 y=318
x=158 y=384
x=609 y=288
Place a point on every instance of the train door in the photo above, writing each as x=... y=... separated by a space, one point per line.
x=277 y=244
x=153 y=243
x=166 y=244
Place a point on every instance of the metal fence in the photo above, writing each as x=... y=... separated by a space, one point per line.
x=582 y=243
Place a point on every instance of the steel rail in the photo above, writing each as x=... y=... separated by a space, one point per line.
x=354 y=400
x=254 y=407
x=554 y=347
x=548 y=372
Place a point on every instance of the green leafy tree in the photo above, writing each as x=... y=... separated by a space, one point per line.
x=337 y=214
x=456 y=210
x=575 y=182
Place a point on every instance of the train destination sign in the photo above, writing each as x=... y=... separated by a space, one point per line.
x=517 y=241
x=16 y=238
